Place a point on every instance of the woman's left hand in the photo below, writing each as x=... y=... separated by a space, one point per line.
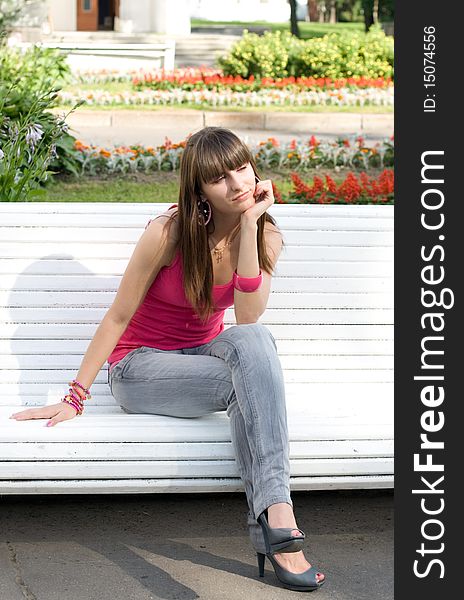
x=264 y=198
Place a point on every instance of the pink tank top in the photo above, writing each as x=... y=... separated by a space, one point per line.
x=166 y=319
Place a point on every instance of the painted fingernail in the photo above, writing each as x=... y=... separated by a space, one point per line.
x=49 y=424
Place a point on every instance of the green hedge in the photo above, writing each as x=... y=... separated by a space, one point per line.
x=279 y=54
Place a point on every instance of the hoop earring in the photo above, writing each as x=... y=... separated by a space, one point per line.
x=204 y=208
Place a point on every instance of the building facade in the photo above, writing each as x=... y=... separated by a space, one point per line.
x=158 y=16
x=273 y=11
x=126 y=16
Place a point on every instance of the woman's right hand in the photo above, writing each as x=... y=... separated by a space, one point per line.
x=62 y=411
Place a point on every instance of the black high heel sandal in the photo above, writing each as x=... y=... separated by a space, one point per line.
x=280 y=539
x=299 y=582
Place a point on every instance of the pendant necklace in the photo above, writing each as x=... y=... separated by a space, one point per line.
x=219 y=252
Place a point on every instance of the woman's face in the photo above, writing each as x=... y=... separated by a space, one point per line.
x=232 y=192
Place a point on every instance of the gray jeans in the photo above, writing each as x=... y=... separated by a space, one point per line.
x=238 y=371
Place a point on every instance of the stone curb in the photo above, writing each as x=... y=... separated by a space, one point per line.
x=327 y=123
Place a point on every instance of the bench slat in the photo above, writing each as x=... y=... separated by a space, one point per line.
x=85 y=451
x=353 y=222
x=175 y=486
x=154 y=208
x=287 y=348
x=356 y=316
x=280 y=284
x=125 y=236
x=327 y=393
x=213 y=427
x=32 y=362
x=58 y=299
x=183 y=468
x=102 y=267
x=280 y=331
x=23 y=378
x=81 y=252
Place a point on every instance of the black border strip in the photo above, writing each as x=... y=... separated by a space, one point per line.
x=428 y=131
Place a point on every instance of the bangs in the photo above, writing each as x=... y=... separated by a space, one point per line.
x=219 y=153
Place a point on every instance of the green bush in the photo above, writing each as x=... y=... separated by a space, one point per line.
x=335 y=55
x=259 y=55
x=33 y=140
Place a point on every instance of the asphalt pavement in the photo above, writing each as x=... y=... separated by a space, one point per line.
x=186 y=546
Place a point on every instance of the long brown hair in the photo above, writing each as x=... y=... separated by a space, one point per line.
x=208 y=153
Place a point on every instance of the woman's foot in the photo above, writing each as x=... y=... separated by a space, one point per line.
x=281 y=515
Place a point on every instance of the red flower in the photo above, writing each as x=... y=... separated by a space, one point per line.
x=277 y=194
x=313 y=142
x=350 y=189
x=331 y=185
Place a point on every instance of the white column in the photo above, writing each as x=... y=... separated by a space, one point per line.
x=158 y=16
x=171 y=17
x=63 y=15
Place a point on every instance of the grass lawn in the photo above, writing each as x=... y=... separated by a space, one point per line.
x=307 y=30
x=153 y=187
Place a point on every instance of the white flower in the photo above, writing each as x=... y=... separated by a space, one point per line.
x=34 y=134
x=1 y=154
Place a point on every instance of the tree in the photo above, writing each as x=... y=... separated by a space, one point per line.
x=313 y=11
x=10 y=12
x=293 y=22
x=332 y=10
x=371 y=13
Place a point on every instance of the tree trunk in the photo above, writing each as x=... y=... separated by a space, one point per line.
x=293 y=22
x=375 y=12
x=313 y=11
x=368 y=13
x=332 y=12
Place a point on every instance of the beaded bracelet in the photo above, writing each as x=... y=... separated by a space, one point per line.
x=75 y=396
x=78 y=407
x=79 y=385
x=74 y=399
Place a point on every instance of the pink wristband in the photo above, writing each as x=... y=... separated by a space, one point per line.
x=247 y=284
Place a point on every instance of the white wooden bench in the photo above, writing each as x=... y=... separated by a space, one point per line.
x=330 y=310
x=115 y=55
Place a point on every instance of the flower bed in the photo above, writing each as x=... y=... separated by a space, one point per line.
x=353 y=190
x=213 y=79
x=342 y=154
x=295 y=155
x=226 y=98
x=210 y=78
x=210 y=88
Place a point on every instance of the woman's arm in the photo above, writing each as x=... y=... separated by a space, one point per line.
x=146 y=261
x=249 y=306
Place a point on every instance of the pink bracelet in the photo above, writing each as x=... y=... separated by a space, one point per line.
x=75 y=396
x=247 y=284
x=77 y=408
x=76 y=383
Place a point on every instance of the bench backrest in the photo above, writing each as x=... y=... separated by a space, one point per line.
x=330 y=309
x=114 y=55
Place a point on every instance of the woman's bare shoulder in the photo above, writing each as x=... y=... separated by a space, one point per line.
x=169 y=222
